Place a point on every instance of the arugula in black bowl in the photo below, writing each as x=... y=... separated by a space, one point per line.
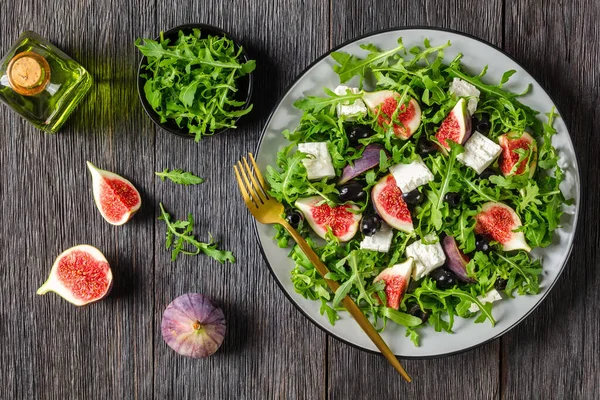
x=195 y=80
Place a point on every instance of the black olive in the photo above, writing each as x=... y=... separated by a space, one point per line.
x=352 y=191
x=452 y=198
x=413 y=197
x=500 y=284
x=426 y=147
x=417 y=312
x=357 y=132
x=370 y=224
x=444 y=278
x=482 y=243
x=487 y=173
x=294 y=217
x=481 y=125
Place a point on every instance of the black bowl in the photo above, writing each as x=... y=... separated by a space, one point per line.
x=244 y=83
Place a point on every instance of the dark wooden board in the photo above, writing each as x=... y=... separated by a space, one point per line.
x=114 y=349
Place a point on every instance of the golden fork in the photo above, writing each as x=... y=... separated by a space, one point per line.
x=267 y=210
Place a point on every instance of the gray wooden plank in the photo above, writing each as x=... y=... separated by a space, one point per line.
x=471 y=375
x=271 y=350
x=53 y=349
x=555 y=354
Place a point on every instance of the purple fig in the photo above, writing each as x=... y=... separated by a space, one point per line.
x=456 y=260
x=193 y=326
x=369 y=159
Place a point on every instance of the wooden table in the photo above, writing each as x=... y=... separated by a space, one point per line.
x=114 y=350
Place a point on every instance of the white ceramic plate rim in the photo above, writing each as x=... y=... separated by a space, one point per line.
x=351 y=334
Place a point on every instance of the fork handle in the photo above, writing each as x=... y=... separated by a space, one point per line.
x=348 y=303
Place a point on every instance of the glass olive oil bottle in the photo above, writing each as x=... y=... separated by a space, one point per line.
x=41 y=83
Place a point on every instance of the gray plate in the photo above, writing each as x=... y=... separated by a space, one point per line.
x=508 y=313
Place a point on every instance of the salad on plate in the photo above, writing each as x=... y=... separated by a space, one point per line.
x=422 y=187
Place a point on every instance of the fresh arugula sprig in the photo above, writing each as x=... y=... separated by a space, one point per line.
x=194 y=81
x=180 y=233
x=180 y=177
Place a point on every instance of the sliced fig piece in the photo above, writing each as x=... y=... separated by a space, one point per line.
x=396 y=280
x=456 y=126
x=385 y=102
x=368 y=160
x=456 y=260
x=81 y=275
x=320 y=217
x=116 y=198
x=193 y=326
x=512 y=141
x=390 y=205
x=498 y=221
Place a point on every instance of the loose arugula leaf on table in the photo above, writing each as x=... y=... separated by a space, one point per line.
x=180 y=234
x=194 y=81
x=180 y=177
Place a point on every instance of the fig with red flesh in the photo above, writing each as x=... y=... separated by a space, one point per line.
x=116 y=198
x=321 y=217
x=512 y=141
x=81 y=275
x=369 y=159
x=456 y=260
x=390 y=205
x=396 y=280
x=193 y=326
x=456 y=126
x=384 y=103
x=499 y=222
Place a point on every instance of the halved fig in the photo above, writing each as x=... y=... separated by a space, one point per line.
x=81 y=275
x=116 y=198
x=388 y=201
x=385 y=103
x=499 y=221
x=396 y=280
x=321 y=217
x=368 y=160
x=456 y=260
x=512 y=141
x=456 y=126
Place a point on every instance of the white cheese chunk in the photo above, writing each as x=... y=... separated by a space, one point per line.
x=318 y=162
x=380 y=241
x=489 y=297
x=410 y=176
x=427 y=256
x=480 y=152
x=350 y=111
x=460 y=88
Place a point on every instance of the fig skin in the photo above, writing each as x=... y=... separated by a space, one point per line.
x=193 y=326
x=369 y=159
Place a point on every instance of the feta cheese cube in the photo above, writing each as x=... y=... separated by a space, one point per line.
x=427 y=256
x=411 y=176
x=350 y=111
x=380 y=241
x=460 y=88
x=489 y=297
x=318 y=162
x=480 y=152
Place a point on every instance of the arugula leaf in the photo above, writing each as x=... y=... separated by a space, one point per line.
x=180 y=177
x=194 y=81
x=182 y=233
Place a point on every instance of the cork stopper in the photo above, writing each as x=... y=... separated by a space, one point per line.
x=28 y=73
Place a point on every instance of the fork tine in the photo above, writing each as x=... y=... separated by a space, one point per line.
x=251 y=189
x=243 y=190
x=259 y=175
x=259 y=189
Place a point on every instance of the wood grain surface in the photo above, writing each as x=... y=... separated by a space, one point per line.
x=114 y=350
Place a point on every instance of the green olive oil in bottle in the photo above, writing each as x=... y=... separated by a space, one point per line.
x=41 y=83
